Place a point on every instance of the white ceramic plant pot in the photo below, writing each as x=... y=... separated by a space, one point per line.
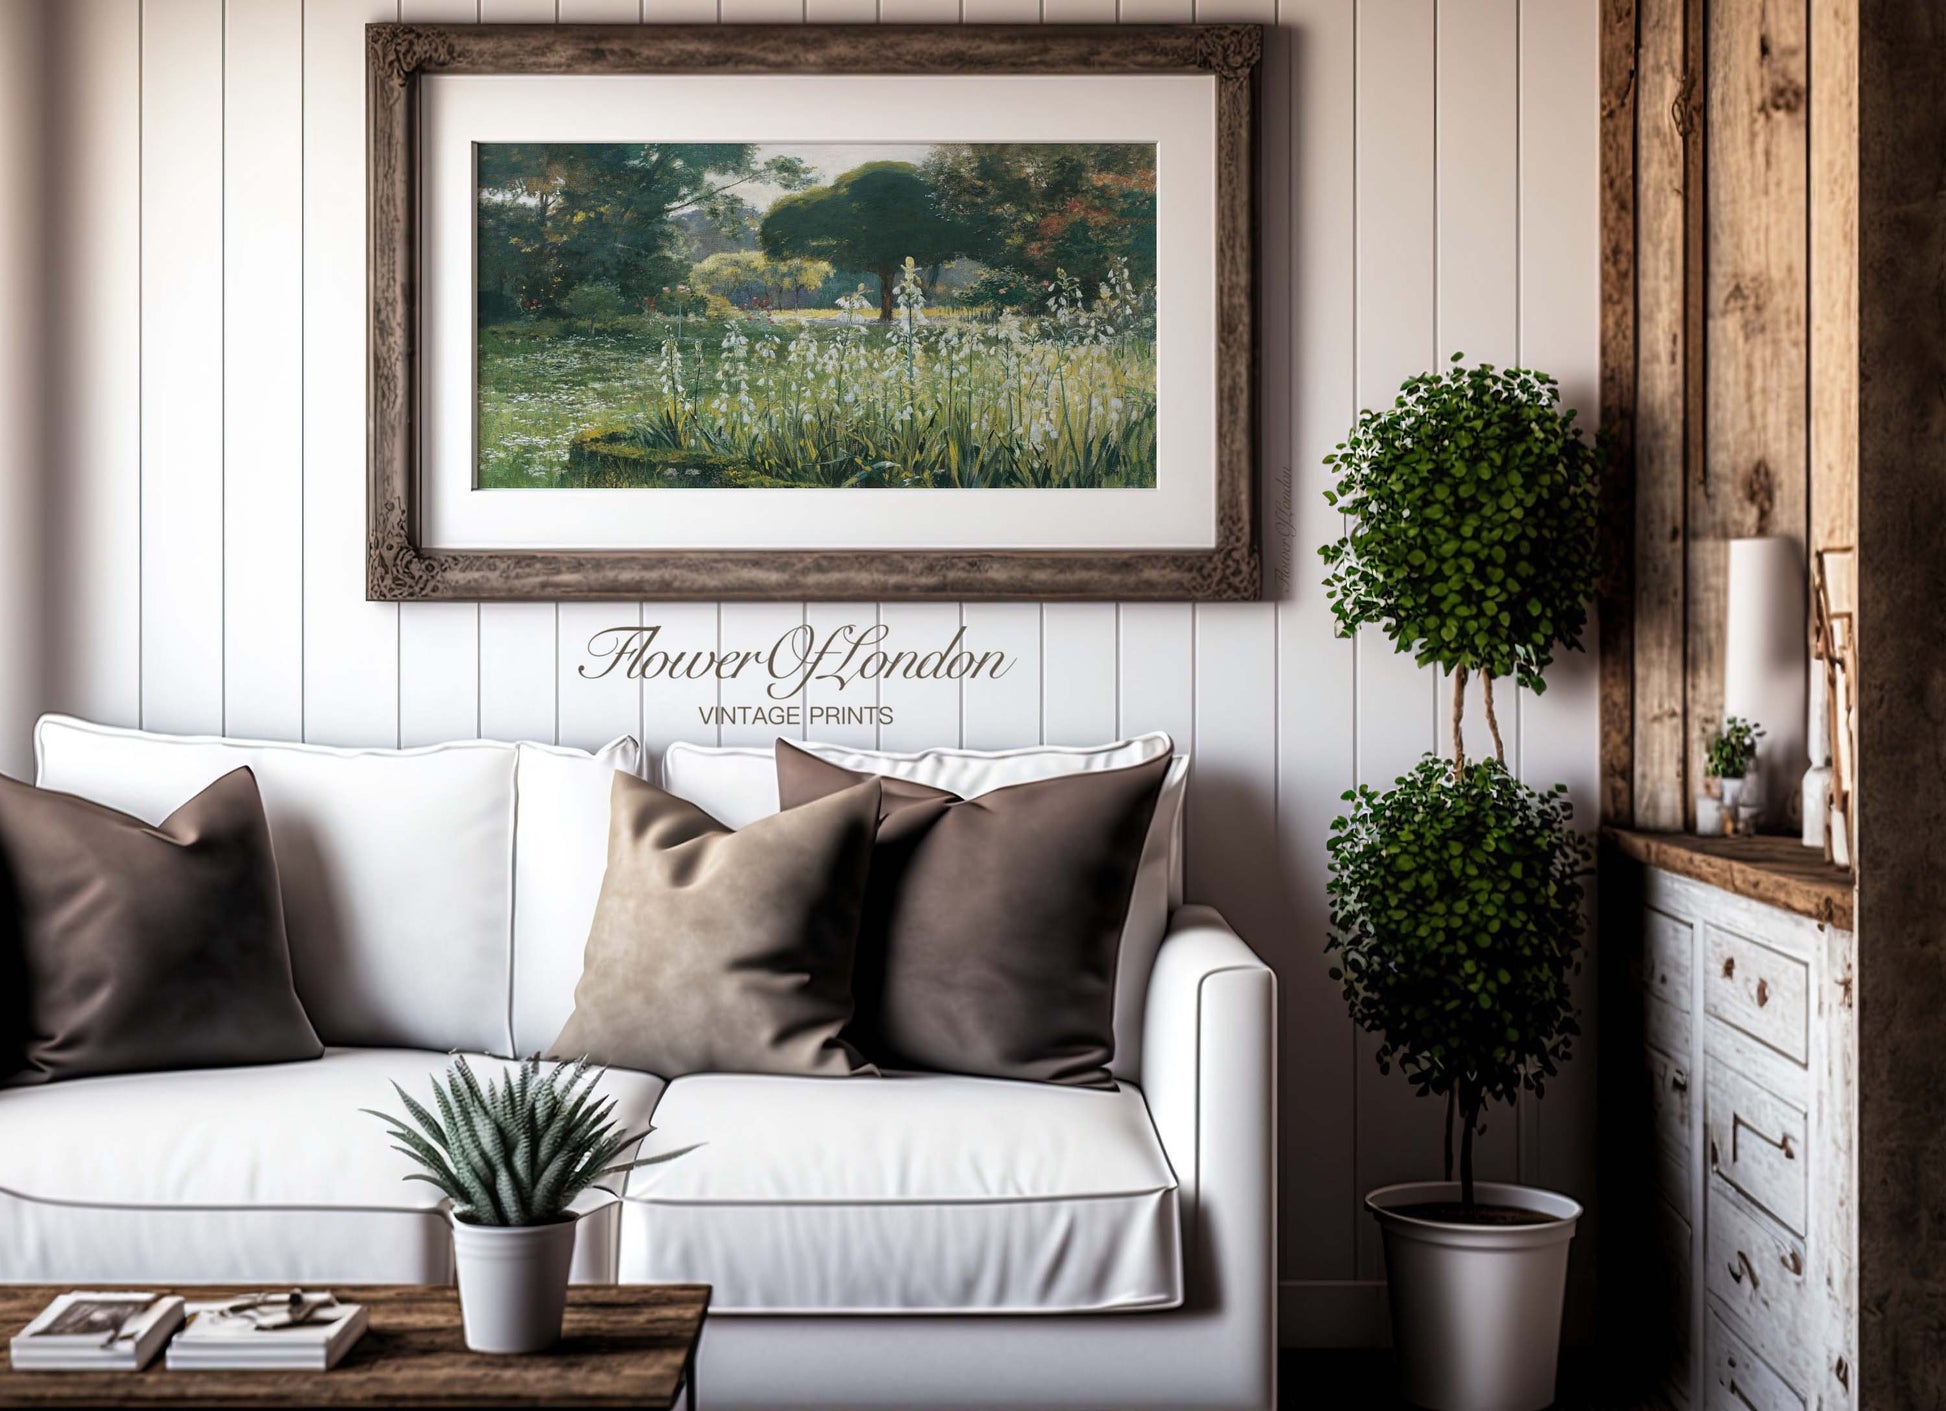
x=1476 y=1309
x=513 y=1283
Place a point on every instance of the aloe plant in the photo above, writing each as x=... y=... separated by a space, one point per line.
x=518 y=1150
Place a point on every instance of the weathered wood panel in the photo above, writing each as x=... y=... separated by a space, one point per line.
x=1661 y=345
x=1752 y=477
x=1834 y=273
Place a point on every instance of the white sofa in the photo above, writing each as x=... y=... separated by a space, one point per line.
x=921 y=1240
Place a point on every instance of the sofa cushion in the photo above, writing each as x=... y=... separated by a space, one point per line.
x=268 y=1173
x=397 y=866
x=923 y=1193
x=560 y=853
x=739 y=783
x=938 y=984
x=725 y=951
x=147 y=947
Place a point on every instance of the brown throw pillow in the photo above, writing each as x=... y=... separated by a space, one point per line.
x=715 y=951
x=992 y=924
x=148 y=947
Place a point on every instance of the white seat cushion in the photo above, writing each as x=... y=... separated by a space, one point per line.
x=267 y=1173
x=737 y=785
x=397 y=866
x=560 y=854
x=923 y=1193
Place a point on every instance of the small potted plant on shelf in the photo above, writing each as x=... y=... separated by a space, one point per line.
x=511 y=1157
x=1730 y=759
x=1455 y=896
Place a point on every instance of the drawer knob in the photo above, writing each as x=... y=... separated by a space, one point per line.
x=1763 y=993
x=1793 y=1261
x=1678 y=1081
x=1742 y=1268
x=1729 y=967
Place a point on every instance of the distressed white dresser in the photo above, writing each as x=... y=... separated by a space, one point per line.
x=1748 y=1101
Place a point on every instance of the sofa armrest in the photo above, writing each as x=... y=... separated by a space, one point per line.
x=1209 y=1061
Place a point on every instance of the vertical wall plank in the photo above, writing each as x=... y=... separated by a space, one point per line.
x=1315 y=720
x=1002 y=712
x=1398 y=1135
x=1079 y=673
x=1157 y=660
x=1833 y=73
x=758 y=627
x=599 y=703
x=1660 y=736
x=263 y=377
x=25 y=177
x=1000 y=11
x=671 y=708
x=517 y=658
x=838 y=625
x=1753 y=477
x=762 y=11
x=1157 y=11
x=439 y=643
x=1476 y=122
x=351 y=646
x=93 y=563
x=1560 y=331
x=841 y=11
x=182 y=365
x=924 y=713
x=520 y=643
x=1078 y=11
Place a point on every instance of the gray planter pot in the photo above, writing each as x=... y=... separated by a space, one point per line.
x=1476 y=1309
x=513 y=1283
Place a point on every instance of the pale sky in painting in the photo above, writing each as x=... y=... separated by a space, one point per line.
x=830 y=160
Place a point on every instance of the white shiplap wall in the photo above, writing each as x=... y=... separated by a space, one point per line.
x=1429 y=185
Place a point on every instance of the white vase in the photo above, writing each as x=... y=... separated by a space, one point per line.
x=1709 y=815
x=513 y=1283
x=1732 y=795
x=1476 y=1309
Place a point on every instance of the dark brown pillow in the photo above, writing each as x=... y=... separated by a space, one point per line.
x=146 y=948
x=993 y=924
x=715 y=951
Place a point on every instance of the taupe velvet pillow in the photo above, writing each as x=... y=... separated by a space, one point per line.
x=715 y=951
x=147 y=947
x=993 y=924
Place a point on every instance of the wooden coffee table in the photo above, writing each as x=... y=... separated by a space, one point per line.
x=625 y=1345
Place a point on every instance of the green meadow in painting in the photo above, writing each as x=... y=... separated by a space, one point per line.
x=847 y=316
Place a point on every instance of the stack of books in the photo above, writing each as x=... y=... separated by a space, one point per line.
x=107 y=1332
x=302 y=1331
x=89 y=1331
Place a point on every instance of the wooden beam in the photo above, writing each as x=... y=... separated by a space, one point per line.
x=1901 y=749
x=1618 y=373
x=1665 y=115
x=1750 y=476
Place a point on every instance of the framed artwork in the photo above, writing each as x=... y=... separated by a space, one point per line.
x=811 y=312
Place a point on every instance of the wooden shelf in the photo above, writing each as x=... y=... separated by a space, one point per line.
x=1777 y=871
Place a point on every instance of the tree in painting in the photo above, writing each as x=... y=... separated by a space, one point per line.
x=721 y=315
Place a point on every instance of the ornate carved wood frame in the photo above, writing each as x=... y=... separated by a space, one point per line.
x=399 y=568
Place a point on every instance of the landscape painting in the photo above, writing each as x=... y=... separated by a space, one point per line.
x=844 y=316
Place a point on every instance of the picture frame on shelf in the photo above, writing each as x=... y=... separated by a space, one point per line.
x=723 y=312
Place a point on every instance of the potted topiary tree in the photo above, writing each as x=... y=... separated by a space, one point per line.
x=1456 y=895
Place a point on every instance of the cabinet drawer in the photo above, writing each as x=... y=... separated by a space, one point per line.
x=1667 y=944
x=1757 y=1270
x=1672 y=1234
x=1756 y=1141
x=1738 y=1379
x=1759 y=990
x=1666 y=1027
x=1669 y=1106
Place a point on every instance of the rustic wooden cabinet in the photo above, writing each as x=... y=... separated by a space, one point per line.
x=1749 y=1065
